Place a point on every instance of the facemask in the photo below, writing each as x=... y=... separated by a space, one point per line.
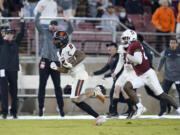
x=122 y=14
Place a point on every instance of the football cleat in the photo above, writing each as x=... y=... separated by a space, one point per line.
x=130 y=114
x=98 y=93
x=140 y=111
x=113 y=115
x=99 y=121
x=178 y=110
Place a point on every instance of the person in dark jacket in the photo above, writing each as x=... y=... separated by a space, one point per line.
x=125 y=20
x=111 y=65
x=48 y=55
x=171 y=59
x=9 y=66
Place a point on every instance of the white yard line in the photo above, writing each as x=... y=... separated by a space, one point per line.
x=85 y=117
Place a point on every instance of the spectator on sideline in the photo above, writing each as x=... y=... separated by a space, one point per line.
x=29 y=6
x=109 y=25
x=48 y=55
x=9 y=66
x=50 y=10
x=69 y=6
x=83 y=10
x=125 y=20
x=164 y=21
x=171 y=59
x=154 y=5
x=111 y=65
x=134 y=7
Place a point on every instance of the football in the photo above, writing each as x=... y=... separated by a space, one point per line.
x=71 y=60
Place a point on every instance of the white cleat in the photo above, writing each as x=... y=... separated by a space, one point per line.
x=99 y=121
x=178 y=110
x=98 y=93
x=139 y=112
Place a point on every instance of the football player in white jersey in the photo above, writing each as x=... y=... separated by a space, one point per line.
x=146 y=75
x=127 y=74
x=71 y=63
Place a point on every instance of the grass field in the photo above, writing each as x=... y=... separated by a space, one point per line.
x=85 y=127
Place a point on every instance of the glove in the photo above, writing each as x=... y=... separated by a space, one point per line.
x=67 y=64
x=53 y=66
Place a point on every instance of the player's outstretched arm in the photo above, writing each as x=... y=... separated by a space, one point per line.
x=119 y=65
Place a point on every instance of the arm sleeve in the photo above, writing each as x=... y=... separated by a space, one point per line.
x=119 y=64
x=172 y=21
x=161 y=62
x=102 y=70
x=155 y=18
x=21 y=33
x=107 y=75
x=37 y=23
x=70 y=28
x=148 y=54
x=137 y=58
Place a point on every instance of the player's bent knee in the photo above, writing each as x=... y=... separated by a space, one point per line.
x=128 y=86
x=74 y=100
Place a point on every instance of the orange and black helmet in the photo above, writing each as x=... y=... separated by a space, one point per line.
x=61 y=39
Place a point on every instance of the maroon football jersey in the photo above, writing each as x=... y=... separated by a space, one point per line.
x=144 y=66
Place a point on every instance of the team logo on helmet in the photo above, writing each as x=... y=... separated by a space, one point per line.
x=128 y=36
x=61 y=39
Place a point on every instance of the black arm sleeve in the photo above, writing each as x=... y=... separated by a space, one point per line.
x=70 y=28
x=21 y=33
x=107 y=75
x=149 y=55
x=102 y=70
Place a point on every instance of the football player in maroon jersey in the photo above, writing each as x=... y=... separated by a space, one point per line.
x=146 y=75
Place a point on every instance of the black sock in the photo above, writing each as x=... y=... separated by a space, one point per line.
x=85 y=107
x=114 y=105
x=168 y=99
x=130 y=105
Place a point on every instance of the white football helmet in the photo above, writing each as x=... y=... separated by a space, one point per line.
x=128 y=36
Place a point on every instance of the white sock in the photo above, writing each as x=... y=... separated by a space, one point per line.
x=139 y=105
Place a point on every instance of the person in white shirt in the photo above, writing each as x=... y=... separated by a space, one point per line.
x=50 y=10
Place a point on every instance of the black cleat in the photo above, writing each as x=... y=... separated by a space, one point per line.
x=130 y=114
x=112 y=115
x=62 y=113
x=162 y=113
x=14 y=116
x=4 y=116
x=41 y=113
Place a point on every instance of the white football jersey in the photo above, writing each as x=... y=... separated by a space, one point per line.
x=66 y=53
x=77 y=72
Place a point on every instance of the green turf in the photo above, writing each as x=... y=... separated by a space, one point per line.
x=85 y=127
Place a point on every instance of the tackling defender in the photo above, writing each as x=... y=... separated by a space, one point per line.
x=71 y=61
x=146 y=75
